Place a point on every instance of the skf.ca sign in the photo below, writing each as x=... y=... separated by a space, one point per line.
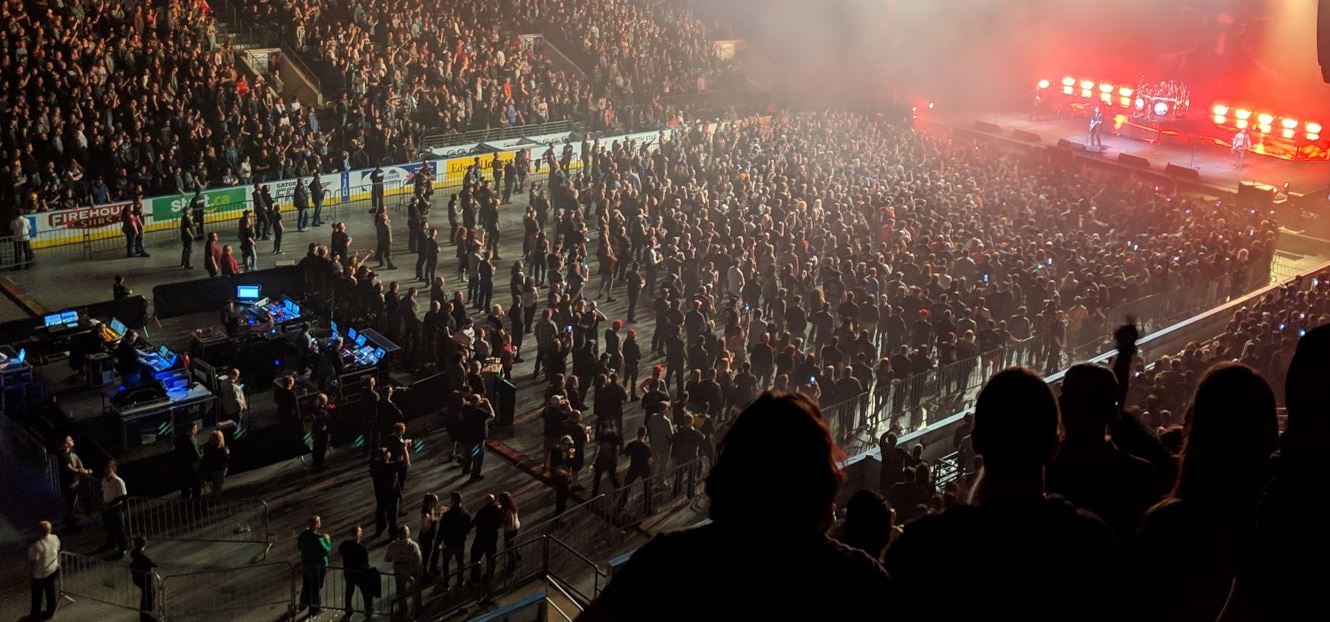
x=86 y=217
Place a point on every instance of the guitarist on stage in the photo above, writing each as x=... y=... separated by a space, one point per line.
x=1096 y=122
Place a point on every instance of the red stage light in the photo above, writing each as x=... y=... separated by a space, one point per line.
x=1107 y=98
x=1067 y=90
x=1126 y=91
x=1105 y=88
x=1220 y=119
x=1087 y=84
x=1125 y=101
x=1289 y=124
x=1288 y=133
x=1265 y=118
x=931 y=105
x=1313 y=127
x=1220 y=110
x=1161 y=109
x=1241 y=123
x=1069 y=81
x=1043 y=84
x=1242 y=114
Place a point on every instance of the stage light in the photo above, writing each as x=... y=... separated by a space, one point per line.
x=1242 y=114
x=1241 y=123
x=1087 y=84
x=1067 y=90
x=1264 y=129
x=1043 y=84
x=1105 y=88
x=1126 y=91
x=914 y=109
x=1289 y=124
x=1265 y=118
x=1085 y=93
x=1069 y=81
x=1220 y=110
x=1107 y=98
x=1125 y=101
x=1220 y=119
x=1161 y=109
x=931 y=105
x=1140 y=103
x=1288 y=133
x=1313 y=127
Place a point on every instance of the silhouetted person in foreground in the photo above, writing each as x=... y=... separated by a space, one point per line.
x=1284 y=572
x=1025 y=554
x=868 y=523
x=1090 y=470
x=765 y=555
x=1189 y=544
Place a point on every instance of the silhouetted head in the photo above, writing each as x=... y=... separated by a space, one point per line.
x=1231 y=432
x=1088 y=400
x=1307 y=395
x=749 y=487
x=867 y=523
x=1015 y=423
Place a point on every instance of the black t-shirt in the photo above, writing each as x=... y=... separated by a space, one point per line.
x=639 y=456
x=742 y=573
x=1040 y=560
x=354 y=555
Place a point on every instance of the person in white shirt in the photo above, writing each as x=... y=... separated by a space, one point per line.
x=44 y=561
x=1241 y=144
x=114 y=494
x=21 y=230
x=404 y=553
x=234 y=404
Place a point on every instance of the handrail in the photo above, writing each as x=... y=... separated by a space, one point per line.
x=580 y=556
x=557 y=584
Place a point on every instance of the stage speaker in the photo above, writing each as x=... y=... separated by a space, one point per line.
x=1029 y=137
x=985 y=126
x=1323 y=37
x=1256 y=196
x=1182 y=172
x=1070 y=144
x=1131 y=160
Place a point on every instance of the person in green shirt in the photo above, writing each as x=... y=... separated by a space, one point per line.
x=315 y=547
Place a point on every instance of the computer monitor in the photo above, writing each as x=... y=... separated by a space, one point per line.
x=22 y=356
x=360 y=340
x=295 y=310
x=351 y=334
x=378 y=354
x=334 y=329
x=247 y=293
x=52 y=320
x=164 y=352
x=117 y=327
x=69 y=317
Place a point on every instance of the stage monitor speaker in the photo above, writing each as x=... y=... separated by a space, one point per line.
x=1256 y=196
x=1029 y=137
x=985 y=126
x=1183 y=172
x=1070 y=144
x=1323 y=37
x=1131 y=160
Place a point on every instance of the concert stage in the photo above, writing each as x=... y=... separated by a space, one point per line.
x=1213 y=163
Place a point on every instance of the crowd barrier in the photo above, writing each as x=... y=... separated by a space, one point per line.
x=89 y=230
x=108 y=583
x=221 y=593
x=198 y=520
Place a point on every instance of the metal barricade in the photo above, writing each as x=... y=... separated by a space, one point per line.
x=108 y=583
x=342 y=587
x=212 y=594
x=198 y=520
x=661 y=492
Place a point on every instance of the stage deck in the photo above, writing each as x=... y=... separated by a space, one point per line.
x=1214 y=162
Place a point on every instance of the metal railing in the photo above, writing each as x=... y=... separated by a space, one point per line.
x=656 y=494
x=441 y=140
x=224 y=592
x=108 y=583
x=198 y=520
x=342 y=587
x=12 y=253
